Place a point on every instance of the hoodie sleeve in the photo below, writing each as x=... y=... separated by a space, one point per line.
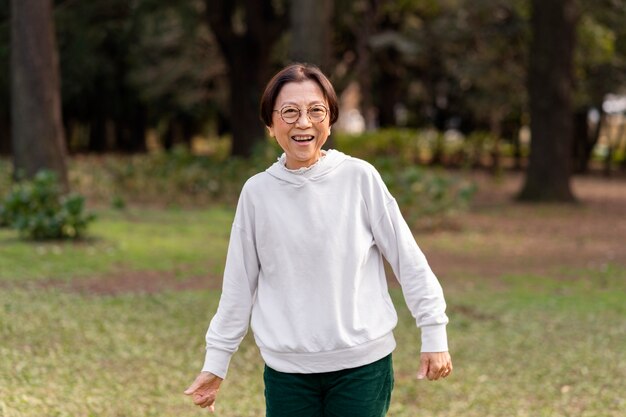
x=422 y=292
x=230 y=323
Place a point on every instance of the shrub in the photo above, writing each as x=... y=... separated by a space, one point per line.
x=426 y=197
x=407 y=145
x=38 y=210
x=176 y=178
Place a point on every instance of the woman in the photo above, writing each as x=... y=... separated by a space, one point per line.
x=305 y=268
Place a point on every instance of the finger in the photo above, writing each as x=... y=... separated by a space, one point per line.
x=423 y=371
x=206 y=399
x=205 y=404
x=192 y=388
x=210 y=402
x=199 y=399
x=433 y=372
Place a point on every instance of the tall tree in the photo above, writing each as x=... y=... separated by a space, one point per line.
x=550 y=85
x=311 y=32
x=5 y=115
x=37 y=131
x=102 y=109
x=246 y=31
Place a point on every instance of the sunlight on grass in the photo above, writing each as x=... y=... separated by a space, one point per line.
x=194 y=241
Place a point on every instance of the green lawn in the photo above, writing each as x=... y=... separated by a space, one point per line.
x=159 y=240
x=528 y=346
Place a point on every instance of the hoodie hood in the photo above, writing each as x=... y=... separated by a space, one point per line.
x=317 y=171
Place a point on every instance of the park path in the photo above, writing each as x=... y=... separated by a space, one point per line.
x=499 y=236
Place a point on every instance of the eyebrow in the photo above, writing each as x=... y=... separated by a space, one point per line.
x=291 y=103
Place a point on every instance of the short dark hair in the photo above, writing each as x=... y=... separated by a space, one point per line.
x=297 y=72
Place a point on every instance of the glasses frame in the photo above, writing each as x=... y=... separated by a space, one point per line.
x=280 y=113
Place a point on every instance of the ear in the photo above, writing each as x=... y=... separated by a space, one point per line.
x=270 y=130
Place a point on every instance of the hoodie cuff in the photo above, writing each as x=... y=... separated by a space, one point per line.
x=434 y=338
x=216 y=361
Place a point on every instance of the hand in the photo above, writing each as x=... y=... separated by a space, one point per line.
x=434 y=365
x=204 y=390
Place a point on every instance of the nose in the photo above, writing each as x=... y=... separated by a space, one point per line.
x=303 y=120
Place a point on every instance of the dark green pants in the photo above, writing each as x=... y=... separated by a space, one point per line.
x=358 y=392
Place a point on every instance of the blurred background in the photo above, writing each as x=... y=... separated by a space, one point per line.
x=128 y=127
x=453 y=77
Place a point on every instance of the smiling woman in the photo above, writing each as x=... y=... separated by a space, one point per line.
x=305 y=269
x=298 y=107
x=298 y=125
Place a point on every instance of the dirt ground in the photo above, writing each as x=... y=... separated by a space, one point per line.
x=501 y=236
x=497 y=237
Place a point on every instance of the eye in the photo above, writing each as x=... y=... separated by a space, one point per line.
x=289 y=111
x=317 y=110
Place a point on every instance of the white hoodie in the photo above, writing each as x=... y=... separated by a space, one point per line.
x=305 y=268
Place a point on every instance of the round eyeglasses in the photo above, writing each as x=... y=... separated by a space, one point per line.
x=316 y=113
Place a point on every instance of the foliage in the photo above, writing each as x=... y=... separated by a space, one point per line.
x=38 y=210
x=601 y=54
x=423 y=146
x=135 y=65
x=408 y=146
x=5 y=176
x=152 y=64
x=177 y=178
x=181 y=178
x=428 y=198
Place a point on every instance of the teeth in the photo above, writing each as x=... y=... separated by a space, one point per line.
x=302 y=138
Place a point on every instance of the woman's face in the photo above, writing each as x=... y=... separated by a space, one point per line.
x=302 y=140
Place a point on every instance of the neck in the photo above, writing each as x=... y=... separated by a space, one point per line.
x=291 y=164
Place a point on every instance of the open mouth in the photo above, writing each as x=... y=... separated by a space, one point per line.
x=303 y=138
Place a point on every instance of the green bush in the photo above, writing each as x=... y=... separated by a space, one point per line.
x=176 y=178
x=38 y=210
x=408 y=146
x=427 y=198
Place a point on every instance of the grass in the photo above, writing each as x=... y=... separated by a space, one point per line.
x=532 y=345
x=161 y=240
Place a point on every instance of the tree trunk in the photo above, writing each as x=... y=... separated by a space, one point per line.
x=311 y=32
x=388 y=86
x=364 y=62
x=37 y=128
x=97 y=133
x=517 y=152
x=584 y=140
x=245 y=94
x=131 y=129
x=550 y=83
x=5 y=135
x=246 y=31
x=495 y=130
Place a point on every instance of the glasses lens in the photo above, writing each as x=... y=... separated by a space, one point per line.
x=290 y=114
x=317 y=113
